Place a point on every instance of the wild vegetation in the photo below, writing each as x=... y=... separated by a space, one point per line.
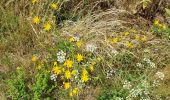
x=85 y=49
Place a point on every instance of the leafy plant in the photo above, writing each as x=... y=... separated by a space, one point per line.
x=160 y=30
x=17 y=88
x=65 y=46
x=42 y=86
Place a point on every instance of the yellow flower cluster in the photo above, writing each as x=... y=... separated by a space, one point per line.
x=126 y=38
x=74 y=70
x=84 y=76
x=158 y=24
x=36 y=19
x=68 y=70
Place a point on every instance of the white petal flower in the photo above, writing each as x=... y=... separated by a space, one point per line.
x=127 y=85
x=53 y=77
x=91 y=47
x=160 y=75
x=156 y=83
x=139 y=65
x=61 y=56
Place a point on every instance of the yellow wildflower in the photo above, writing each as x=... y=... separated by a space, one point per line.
x=91 y=68
x=78 y=44
x=47 y=27
x=36 y=20
x=54 y=6
x=133 y=30
x=56 y=70
x=63 y=69
x=79 y=57
x=66 y=85
x=84 y=76
x=143 y=38
x=67 y=74
x=41 y=65
x=34 y=58
x=127 y=33
x=136 y=37
x=156 y=22
x=84 y=72
x=115 y=40
x=129 y=44
x=164 y=27
x=99 y=59
x=73 y=72
x=160 y=25
x=75 y=91
x=34 y=1
x=93 y=63
x=55 y=63
x=68 y=63
x=71 y=39
x=70 y=94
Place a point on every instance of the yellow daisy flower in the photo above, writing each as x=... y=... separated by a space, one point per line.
x=164 y=27
x=75 y=91
x=79 y=57
x=56 y=70
x=136 y=37
x=73 y=72
x=67 y=74
x=84 y=78
x=91 y=68
x=66 y=85
x=68 y=63
x=36 y=20
x=78 y=44
x=127 y=33
x=84 y=72
x=115 y=40
x=55 y=64
x=129 y=45
x=160 y=25
x=34 y=1
x=63 y=69
x=71 y=39
x=54 y=6
x=34 y=58
x=143 y=38
x=70 y=94
x=156 y=22
x=47 y=27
